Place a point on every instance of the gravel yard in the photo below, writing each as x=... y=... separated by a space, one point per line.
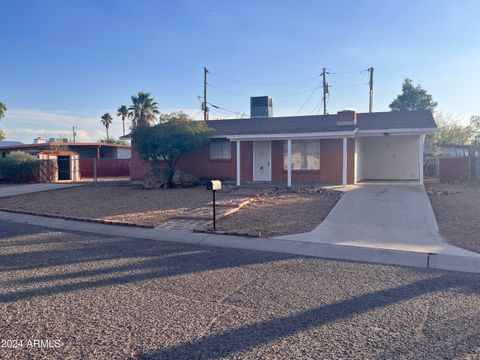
x=458 y=214
x=122 y=203
x=274 y=212
x=118 y=298
x=281 y=214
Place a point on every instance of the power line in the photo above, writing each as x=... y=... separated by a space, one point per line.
x=349 y=85
x=275 y=96
x=224 y=109
x=308 y=99
x=316 y=109
x=266 y=84
x=348 y=72
x=228 y=91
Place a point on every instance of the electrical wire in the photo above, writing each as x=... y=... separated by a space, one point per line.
x=274 y=96
x=308 y=99
x=348 y=72
x=349 y=85
x=224 y=109
x=227 y=91
x=317 y=107
x=266 y=84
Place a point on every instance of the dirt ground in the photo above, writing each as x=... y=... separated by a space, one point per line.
x=121 y=203
x=281 y=214
x=458 y=215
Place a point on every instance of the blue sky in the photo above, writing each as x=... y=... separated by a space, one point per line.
x=66 y=63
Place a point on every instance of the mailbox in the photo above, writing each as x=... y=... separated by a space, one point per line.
x=214 y=185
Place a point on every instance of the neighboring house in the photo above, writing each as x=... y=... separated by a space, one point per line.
x=343 y=148
x=454 y=150
x=10 y=143
x=90 y=150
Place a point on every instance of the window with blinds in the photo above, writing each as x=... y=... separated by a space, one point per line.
x=220 y=150
x=305 y=155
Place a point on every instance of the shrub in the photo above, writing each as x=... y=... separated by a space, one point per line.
x=19 y=166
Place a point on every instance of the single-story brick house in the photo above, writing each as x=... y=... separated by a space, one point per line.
x=343 y=148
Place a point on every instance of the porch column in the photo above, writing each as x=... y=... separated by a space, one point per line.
x=420 y=159
x=238 y=162
x=289 y=162
x=344 y=162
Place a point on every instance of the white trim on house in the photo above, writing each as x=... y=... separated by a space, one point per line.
x=300 y=136
x=289 y=162
x=238 y=163
x=421 y=139
x=328 y=134
x=395 y=132
x=344 y=162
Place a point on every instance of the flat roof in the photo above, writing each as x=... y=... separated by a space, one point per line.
x=96 y=144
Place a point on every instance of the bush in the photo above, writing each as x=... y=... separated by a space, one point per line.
x=19 y=166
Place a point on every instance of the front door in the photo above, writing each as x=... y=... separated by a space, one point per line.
x=262 y=160
x=63 y=167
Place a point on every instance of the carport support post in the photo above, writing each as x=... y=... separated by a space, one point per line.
x=420 y=159
x=289 y=162
x=344 y=162
x=238 y=162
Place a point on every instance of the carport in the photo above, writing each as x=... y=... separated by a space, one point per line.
x=389 y=156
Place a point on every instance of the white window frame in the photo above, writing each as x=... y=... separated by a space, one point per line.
x=223 y=149
x=295 y=144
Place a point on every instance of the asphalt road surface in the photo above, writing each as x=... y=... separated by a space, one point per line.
x=80 y=296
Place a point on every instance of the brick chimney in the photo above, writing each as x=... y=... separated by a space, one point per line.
x=347 y=117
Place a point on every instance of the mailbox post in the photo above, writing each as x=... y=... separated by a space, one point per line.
x=214 y=185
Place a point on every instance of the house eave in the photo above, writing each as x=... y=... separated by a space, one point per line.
x=292 y=136
x=405 y=131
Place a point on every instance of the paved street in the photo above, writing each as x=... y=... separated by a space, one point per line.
x=107 y=297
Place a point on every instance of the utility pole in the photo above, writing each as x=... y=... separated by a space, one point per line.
x=204 y=105
x=370 y=83
x=325 y=90
x=74 y=133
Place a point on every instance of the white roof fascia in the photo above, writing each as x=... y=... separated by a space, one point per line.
x=312 y=135
x=411 y=131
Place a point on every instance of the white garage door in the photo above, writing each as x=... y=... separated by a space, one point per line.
x=388 y=158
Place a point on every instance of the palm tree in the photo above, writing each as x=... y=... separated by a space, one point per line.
x=106 y=121
x=3 y=109
x=143 y=110
x=123 y=112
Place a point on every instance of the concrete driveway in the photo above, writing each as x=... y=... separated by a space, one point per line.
x=395 y=217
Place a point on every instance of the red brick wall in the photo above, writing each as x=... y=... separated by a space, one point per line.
x=199 y=163
x=331 y=152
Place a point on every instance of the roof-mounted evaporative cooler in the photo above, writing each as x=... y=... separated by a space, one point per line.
x=261 y=106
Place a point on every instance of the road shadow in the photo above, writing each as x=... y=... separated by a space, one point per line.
x=250 y=336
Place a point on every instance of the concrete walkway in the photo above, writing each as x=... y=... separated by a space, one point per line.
x=12 y=190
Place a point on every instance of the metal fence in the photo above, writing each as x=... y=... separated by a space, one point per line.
x=95 y=169
x=448 y=169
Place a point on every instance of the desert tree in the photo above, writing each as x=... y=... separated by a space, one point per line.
x=168 y=141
